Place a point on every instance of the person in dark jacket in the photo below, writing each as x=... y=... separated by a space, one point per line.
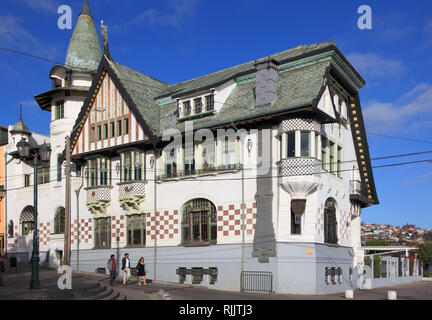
x=141 y=271
x=126 y=268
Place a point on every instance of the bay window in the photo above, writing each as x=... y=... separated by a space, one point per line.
x=99 y=172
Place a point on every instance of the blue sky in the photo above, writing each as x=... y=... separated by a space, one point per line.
x=177 y=40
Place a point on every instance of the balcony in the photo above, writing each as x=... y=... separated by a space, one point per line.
x=98 y=199
x=131 y=195
x=359 y=192
x=180 y=174
x=101 y=193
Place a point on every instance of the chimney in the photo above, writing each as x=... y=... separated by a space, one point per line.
x=266 y=81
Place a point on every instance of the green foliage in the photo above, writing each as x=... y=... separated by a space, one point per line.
x=377 y=243
x=425 y=253
x=428 y=236
x=426 y=274
x=377 y=266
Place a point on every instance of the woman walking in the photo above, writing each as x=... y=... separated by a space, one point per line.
x=141 y=271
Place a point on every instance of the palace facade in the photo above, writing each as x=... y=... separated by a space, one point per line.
x=258 y=170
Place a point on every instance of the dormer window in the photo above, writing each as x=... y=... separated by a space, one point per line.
x=187 y=108
x=198 y=105
x=209 y=102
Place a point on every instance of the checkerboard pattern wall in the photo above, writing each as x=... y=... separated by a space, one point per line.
x=85 y=231
x=167 y=222
x=345 y=225
x=299 y=124
x=118 y=229
x=319 y=224
x=230 y=219
x=44 y=233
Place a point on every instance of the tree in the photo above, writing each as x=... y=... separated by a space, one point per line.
x=377 y=243
x=425 y=254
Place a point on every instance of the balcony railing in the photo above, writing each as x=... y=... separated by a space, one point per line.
x=177 y=174
x=358 y=188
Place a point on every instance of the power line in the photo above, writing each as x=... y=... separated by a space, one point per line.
x=399 y=138
x=30 y=55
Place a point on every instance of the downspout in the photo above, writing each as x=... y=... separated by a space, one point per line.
x=77 y=192
x=155 y=210
x=6 y=229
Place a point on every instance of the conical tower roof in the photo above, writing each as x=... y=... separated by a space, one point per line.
x=84 y=50
x=20 y=127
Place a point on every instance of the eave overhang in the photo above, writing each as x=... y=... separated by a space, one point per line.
x=44 y=99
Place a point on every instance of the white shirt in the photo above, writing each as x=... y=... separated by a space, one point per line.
x=127 y=263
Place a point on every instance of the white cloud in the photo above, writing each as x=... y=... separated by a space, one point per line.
x=374 y=66
x=42 y=5
x=412 y=110
x=11 y=30
x=174 y=15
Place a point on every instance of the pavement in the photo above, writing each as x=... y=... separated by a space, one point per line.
x=92 y=286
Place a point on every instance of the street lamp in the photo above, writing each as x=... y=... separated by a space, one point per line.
x=41 y=156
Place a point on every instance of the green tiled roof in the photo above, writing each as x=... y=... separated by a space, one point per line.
x=84 y=51
x=296 y=88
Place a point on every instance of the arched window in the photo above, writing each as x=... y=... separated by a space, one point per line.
x=199 y=223
x=27 y=220
x=59 y=219
x=11 y=229
x=330 y=222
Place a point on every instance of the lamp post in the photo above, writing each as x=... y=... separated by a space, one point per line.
x=2 y=195
x=40 y=156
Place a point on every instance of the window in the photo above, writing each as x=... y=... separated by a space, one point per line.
x=103 y=171
x=92 y=134
x=59 y=221
x=99 y=133
x=305 y=144
x=126 y=126
x=59 y=167
x=298 y=208
x=189 y=160
x=208 y=156
x=127 y=166
x=199 y=223
x=330 y=222
x=92 y=177
x=324 y=153
x=198 y=105
x=27 y=220
x=291 y=146
x=229 y=151
x=59 y=110
x=186 y=108
x=209 y=102
x=295 y=223
x=136 y=232
x=171 y=163
x=11 y=229
x=339 y=162
x=317 y=139
x=102 y=231
x=138 y=165
x=43 y=175
x=105 y=131
x=132 y=166
x=112 y=125
x=332 y=157
x=119 y=128
x=27 y=180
